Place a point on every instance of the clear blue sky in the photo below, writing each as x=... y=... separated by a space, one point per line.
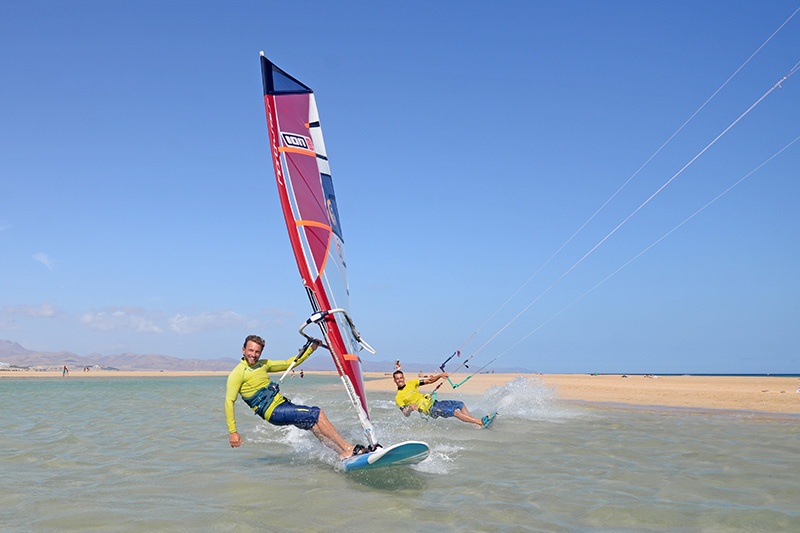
x=468 y=142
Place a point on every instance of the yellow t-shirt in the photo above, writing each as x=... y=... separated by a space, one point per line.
x=410 y=394
x=248 y=380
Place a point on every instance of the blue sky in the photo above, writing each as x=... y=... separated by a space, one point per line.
x=468 y=142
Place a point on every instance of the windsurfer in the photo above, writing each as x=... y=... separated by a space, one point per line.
x=250 y=379
x=409 y=399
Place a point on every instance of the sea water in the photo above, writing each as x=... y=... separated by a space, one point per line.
x=152 y=454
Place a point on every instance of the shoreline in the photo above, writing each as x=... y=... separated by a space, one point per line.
x=760 y=394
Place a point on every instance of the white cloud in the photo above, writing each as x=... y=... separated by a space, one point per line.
x=9 y=312
x=122 y=318
x=42 y=311
x=140 y=320
x=223 y=319
x=44 y=259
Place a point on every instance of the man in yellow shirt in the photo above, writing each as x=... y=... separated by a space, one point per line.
x=409 y=399
x=250 y=379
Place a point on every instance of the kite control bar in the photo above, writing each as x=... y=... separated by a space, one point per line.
x=457 y=353
x=464 y=364
x=317 y=317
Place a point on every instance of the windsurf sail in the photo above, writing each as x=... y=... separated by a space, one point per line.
x=309 y=207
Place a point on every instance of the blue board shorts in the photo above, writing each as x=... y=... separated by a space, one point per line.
x=445 y=408
x=289 y=414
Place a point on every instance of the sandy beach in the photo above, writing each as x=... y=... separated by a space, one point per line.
x=759 y=394
x=733 y=393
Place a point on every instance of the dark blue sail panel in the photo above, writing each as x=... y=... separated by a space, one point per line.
x=277 y=81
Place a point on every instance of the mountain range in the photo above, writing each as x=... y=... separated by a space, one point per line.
x=14 y=354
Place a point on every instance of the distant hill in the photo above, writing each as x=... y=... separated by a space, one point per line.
x=11 y=348
x=12 y=353
x=16 y=355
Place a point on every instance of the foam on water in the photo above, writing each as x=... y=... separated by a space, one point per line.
x=293 y=441
x=440 y=461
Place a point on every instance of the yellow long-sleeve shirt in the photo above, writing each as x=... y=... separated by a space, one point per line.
x=248 y=380
x=411 y=394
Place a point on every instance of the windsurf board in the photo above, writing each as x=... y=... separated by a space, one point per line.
x=404 y=453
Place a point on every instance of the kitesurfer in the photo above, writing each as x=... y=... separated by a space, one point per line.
x=409 y=399
x=250 y=379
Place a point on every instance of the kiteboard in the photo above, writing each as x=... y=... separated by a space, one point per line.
x=405 y=453
x=487 y=420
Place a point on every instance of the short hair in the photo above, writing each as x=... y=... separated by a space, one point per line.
x=397 y=372
x=254 y=338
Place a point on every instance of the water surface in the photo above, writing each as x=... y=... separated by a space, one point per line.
x=152 y=454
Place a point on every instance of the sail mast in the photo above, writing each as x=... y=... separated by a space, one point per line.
x=305 y=188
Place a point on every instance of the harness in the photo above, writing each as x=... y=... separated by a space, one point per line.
x=261 y=400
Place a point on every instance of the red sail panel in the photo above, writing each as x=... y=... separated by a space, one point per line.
x=309 y=207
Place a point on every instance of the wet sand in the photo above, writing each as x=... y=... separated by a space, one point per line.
x=737 y=393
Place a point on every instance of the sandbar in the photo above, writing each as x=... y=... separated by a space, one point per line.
x=762 y=394
x=733 y=393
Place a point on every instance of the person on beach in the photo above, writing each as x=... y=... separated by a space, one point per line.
x=409 y=399
x=250 y=379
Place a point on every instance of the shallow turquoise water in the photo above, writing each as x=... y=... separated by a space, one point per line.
x=152 y=454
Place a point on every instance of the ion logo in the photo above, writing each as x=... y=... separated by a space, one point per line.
x=297 y=141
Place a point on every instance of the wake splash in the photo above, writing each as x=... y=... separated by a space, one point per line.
x=526 y=398
x=302 y=443
x=523 y=399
